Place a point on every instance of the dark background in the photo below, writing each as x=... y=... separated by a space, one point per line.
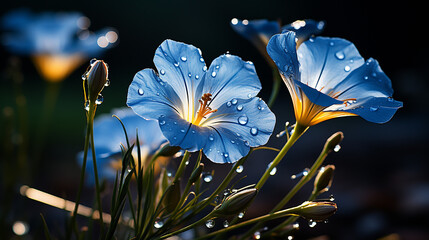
x=381 y=183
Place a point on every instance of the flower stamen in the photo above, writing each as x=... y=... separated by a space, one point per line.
x=204 y=108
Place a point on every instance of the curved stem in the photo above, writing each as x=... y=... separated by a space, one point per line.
x=202 y=220
x=277 y=81
x=182 y=166
x=297 y=133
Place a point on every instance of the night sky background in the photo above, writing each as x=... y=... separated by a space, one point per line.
x=381 y=183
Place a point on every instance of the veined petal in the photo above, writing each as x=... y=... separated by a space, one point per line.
x=150 y=97
x=325 y=62
x=182 y=67
x=282 y=49
x=317 y=97
x=229 y=77
x=304 y=29
x=250 y=119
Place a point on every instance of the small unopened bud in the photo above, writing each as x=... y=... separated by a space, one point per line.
x=236 y=202
x=316 y=211
x=333 y=141
x=172 y=196
x=323 y=180
x=97 y=77
x=168 y=151
x=196 y=174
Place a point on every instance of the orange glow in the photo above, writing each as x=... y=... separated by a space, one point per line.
x=55 y=68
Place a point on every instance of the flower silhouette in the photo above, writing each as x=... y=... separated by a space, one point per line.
x=327 y=78
x=57 y=42
x=109 y=135
x=214 y=109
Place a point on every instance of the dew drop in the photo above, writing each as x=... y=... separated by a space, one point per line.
x=249 y=95
x=158 y=224
x=289 y=237
x=340 y=55
x=99 y=99
x=337 y=148
x=211 y=138
x=273 y=171
x=331 y=198
x=295 y=225
x=234 y=101
x=243 y=120
x=228 y=104
x=207 y=177
x=202 y=60
x=246 y=143
x=92 y=61
x=226 y=155
x=189 y=75
x=197 y=77
x=176 y=64
x=239 y=169
x=183 y=59
x=213 y=74
x=311 y=223
x=257 y=235
x=86 y=106
x=162 y=122
x=241 y=215
x=162 y=71
x=365 y=77
x=254 y=131
x=347 y=68
x=226 y=223
x=373 y=109
x=140 y=91
x=182 y=130
x=107 y=83
x=331 y=43
x=249 y=62
x=303 y=173
x=210 y=223
x=390 y=99
x=320 y=25
x=217 y=67
x=84 y=76
x=205 y=68
x=239 y=107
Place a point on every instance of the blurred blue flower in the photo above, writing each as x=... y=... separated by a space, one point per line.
x=57 y=42
x=214 y=109
x=109 y=135
x=327 y=78
x=260 y=31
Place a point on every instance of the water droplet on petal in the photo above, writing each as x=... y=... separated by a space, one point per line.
x=340 y=55
x=183 y=59
x=140 y=91
x=162 y=122
x=158 y=224
x=99 y=99
x=162 y=71
x=254 y=131
x=373 y=109
x=182 y=130
x=189 y=75
x=337 y=148
x=365 y=77
x=213 y=74
x=197 y=77
x=246 y=143
x=331 y=43
x=239 y=169
x=320 y=25
x=210 y=223
x=347 y=68
x=202 y=60
x=249 y=62
x=234 y=101
x=243 y=120
x=205 y=68
x=176 y=64
x=239 y=107
x=228 y=104
x=211 y=138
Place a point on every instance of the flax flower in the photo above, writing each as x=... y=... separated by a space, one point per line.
x=327 y=78
x=198 y=107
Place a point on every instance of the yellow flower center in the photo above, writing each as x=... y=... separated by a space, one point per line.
x=203 y=109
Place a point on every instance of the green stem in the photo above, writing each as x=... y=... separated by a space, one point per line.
x=182 y=166
x=82 y=176
x=92 y=107
x=297 y=133
x=277 y=81
x=264 y=218
x=210 y=215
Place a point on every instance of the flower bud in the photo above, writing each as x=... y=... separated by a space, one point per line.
x=196 y=174
x=236 y=202
x=172 y=196
x=97 y=77
x=333 y=141
x=167 y=150
x=316 y=211
x=323 y=180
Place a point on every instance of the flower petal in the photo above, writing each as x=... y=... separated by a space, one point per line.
x=182 y=67
x=229 y=77
x=325 y=62
x=317 y=97
x=150 y=97
x=249 y=119
x=257 y=31
x=304 y=29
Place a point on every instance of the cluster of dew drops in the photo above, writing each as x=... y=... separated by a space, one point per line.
x=100 y=97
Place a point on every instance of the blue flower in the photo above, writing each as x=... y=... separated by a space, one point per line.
x=327 y=78
x=109 y=135
x=57 y=42
x=214 y=109
x=260 y=31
